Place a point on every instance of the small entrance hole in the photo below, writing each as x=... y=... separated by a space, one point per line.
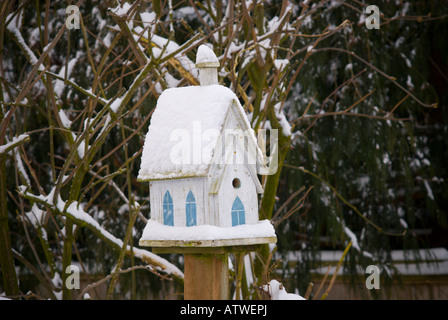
x=236 y=183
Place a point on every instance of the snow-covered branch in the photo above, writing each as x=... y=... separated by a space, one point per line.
x=75 y=213
x=14 y=143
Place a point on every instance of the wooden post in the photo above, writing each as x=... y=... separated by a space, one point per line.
x=206 y=277
x=206 y=268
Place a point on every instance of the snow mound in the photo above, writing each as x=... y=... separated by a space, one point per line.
x=157 y=231
x=278 y=292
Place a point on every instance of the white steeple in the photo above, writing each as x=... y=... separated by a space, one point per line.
x=208 y=65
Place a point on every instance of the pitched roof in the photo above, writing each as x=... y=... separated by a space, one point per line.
x=184 y=131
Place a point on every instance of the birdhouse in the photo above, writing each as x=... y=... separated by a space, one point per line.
x=200 y=158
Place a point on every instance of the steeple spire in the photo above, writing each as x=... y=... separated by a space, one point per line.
x=208 y=65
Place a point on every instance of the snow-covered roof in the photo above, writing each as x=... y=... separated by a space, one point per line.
x=185 y=122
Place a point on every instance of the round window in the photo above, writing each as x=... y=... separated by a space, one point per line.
x=236 y=183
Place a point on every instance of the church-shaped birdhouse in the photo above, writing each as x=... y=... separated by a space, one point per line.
x=200 y=158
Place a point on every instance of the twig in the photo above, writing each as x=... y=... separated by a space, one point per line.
x=94 y=226
x=393 y=79
x=132 y=216
x=346 y=202
x=336 y=271
x=308 y=290
x=322 y=283
x=100 y=282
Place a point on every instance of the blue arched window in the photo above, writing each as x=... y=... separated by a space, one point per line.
x=238 y=214
x=168 y=212
x=190 y=209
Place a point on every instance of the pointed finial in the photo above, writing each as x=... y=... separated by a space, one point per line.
x=208 y=65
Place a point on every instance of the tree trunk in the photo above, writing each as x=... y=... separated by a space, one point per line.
x=10 y=284
x=261 y=264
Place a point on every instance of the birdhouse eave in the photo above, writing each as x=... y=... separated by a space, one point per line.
x=174 y=176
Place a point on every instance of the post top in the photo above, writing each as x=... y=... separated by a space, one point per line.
x=206 y=58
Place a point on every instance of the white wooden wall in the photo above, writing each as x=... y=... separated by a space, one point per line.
x=213 y=209
x=179 y=189
x=222 y=202
x=246 y=192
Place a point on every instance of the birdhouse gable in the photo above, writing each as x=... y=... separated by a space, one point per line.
x=237 y=149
